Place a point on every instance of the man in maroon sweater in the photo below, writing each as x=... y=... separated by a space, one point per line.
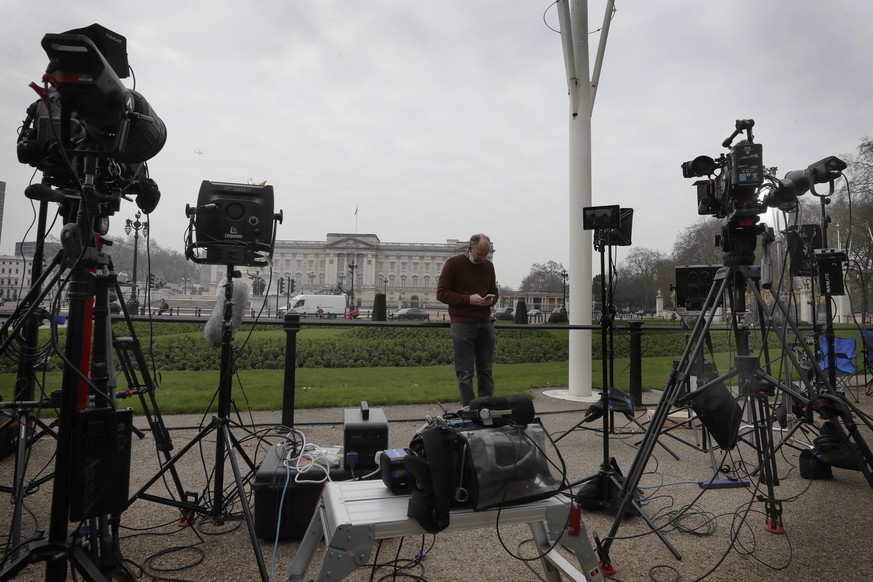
x=468 y=286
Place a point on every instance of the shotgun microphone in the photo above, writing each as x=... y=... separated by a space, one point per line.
x=214 y=326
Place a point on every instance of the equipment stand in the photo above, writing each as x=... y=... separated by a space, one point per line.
x=608 y=395
x=605 y=347
x=128 y=349
x=608 y=481
x=88 y=419
x=129 y=352
x=755 y=384
x=23 y=420
x=60 y=547
x=226 y=444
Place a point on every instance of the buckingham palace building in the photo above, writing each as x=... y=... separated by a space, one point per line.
x=359 y=265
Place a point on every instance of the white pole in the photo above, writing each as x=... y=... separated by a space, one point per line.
x=580 y=239
x=574 y=37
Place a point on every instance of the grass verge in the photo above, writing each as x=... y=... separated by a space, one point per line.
x=192 y=391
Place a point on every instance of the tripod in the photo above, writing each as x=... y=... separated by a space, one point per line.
x=226 y=445
x=22 y=419
x=602 y=489
x=130 y=357
x=92 y=460
x=755 y=384
x=606 y=333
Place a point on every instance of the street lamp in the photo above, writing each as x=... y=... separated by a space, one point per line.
x=564 y=276
x=135 y=226
x=352 y=267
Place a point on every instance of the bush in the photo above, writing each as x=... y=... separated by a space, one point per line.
x=380 y=309
x=365 y=346
x=505 y=315
x=521 y=312
x=559 y=317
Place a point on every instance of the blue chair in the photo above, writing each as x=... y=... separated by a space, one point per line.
x=844 y=360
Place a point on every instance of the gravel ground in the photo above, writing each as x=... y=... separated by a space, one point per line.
x=723 y=537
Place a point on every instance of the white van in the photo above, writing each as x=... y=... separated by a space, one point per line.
x=308 y=305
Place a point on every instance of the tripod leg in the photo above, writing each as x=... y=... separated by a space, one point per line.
x=167 y=466
x=836 y=407
x=18 y=489
x=81 y=289
x=144 y=386
x=256 y=546
x=693 y=349
x=866 y=454
x=761 y=419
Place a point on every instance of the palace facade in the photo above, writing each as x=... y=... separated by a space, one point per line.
x=359 y=265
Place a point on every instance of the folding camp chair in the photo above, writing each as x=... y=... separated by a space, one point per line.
x=844 y=362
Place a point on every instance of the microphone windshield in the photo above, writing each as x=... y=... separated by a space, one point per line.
x=215 y=325
x=520 y=405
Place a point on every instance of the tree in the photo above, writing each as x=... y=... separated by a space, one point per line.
x=544 y=277
x=168 y=265
x=521 y=312
x=852 y=222
x=642 y=273
x=695 y=245
x=596 y=286
x=380 y=309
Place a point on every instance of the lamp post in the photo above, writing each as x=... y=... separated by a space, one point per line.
x=564 y=275
x=352 y=267
x=135 y=226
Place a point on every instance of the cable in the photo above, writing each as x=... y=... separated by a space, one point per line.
x=279 y=516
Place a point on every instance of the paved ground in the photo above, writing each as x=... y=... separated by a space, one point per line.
x=826 y=522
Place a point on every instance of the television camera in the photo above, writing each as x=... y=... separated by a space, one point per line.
x=86 y=123
x=735 y=183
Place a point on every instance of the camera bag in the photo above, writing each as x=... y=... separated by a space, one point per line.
x=480 y=468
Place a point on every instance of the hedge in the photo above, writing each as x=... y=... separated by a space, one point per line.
x=181 y=347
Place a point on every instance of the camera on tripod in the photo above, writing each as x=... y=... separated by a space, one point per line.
x=741 y=175
x=735 y=181
x=87 y=122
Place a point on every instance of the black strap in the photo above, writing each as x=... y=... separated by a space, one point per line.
x=430 y=501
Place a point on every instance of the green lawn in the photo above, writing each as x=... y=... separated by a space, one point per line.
x=191 y=391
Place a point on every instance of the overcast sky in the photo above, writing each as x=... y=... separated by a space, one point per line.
x=438 y=119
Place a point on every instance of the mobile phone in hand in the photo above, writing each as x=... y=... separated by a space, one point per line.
x=490 y=297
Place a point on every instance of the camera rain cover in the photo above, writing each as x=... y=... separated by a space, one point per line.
x=512 y=464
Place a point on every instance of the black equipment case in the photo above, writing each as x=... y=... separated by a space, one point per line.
x=300 y=501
